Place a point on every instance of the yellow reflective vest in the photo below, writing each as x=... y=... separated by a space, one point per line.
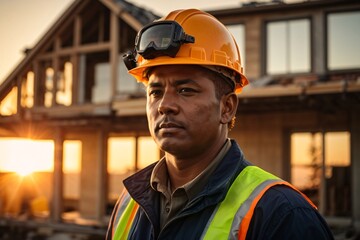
x=230 y=219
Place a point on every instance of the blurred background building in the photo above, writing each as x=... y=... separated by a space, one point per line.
x=73 y=122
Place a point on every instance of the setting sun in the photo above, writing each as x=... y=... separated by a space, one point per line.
x=24 y=156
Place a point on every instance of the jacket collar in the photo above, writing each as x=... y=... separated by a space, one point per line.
x=138 y=185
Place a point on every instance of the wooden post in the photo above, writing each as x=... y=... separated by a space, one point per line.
x=101 y=176
x=114 y=51
x=57 y=201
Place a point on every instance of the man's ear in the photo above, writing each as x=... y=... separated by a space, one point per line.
x=229 y=105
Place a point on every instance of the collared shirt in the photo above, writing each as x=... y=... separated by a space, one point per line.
x=172 y=202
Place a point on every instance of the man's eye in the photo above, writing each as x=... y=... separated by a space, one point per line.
x=155 y=93
x=186 y=90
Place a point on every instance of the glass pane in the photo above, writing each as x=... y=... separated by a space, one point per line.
x=8 y=106
x=238 y=31
x=299 y=41
x=126 y=83
x=26 y=176
x=72 y=168
x=306 y=158
x=35 y=156
x=276 y=48
x=49 y=83
x=27 y=90
x=64 y=88
x=338 y=174
x=101 y=92
x=148 y=152
x=121 y=163
x=343 y=40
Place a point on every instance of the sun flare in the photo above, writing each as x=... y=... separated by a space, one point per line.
x=25 y=156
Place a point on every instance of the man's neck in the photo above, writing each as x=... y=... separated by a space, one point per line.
x=182 y=171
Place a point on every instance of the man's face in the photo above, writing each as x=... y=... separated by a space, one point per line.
x=182 y=110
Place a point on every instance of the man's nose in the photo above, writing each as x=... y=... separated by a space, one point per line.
x=168 y=104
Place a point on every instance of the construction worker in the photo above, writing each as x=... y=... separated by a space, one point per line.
x=203 y=188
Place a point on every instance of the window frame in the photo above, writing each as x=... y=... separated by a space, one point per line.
x=326 y=42
x=242 y=53
x=264 y=47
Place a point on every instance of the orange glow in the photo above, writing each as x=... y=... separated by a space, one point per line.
x=8 y=104
x=24 y=156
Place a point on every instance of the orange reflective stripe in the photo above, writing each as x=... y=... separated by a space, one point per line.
x=232 y=217
x=244 y=226
x=126 y=220
x=120 y=201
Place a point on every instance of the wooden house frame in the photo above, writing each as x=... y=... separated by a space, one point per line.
x=272 y=108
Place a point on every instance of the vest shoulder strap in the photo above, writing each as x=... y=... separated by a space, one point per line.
x=237 y=207
x=124 y=216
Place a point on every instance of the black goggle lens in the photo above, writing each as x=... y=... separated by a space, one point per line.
x=157 y=39
x=158 y=36
x=161 y=39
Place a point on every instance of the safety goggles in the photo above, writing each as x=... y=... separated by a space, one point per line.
x=162 y=38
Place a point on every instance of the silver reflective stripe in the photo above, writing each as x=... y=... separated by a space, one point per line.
x=122 y=204
x=228 y=215
x=209 y=221
x=245 y=207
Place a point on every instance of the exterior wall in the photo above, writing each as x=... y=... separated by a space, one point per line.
x=355 y=158
x=265 y=137
x=253 y=135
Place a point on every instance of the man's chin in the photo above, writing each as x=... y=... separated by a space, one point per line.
x=170 y=145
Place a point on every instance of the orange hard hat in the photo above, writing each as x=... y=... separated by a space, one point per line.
x=205 y=41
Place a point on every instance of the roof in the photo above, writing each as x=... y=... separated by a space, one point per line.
x=144 y=16
x=135 y=16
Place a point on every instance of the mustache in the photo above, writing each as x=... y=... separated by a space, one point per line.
x=168 y=122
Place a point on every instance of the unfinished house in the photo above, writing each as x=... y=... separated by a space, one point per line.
x=73 y=122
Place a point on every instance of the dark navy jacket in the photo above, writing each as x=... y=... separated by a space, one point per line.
x=282 y=213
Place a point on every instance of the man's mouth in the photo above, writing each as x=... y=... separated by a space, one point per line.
x=168 y=126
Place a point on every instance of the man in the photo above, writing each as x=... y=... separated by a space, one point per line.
x=202 y=188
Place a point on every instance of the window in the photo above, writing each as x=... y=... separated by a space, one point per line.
x=72 y=168
x=95 y=78
x=127 y=84
x=125 y=156
x=238 y=31
x=27 y=90
x=343 y=40
x=320 y=167
x=64 y=85
x=101 y=91
x=26 y=168
x=288 y=47
x=8 y=105
x=148 y=152
x=49 y=84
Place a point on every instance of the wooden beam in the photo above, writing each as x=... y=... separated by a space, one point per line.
x=101 y=23
x=37 y=83
x=75 y=79
x=114 y=51
x=55 y=63
x=19 y=91
x=127 y=17
x=88 y=48
x=77 y=31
